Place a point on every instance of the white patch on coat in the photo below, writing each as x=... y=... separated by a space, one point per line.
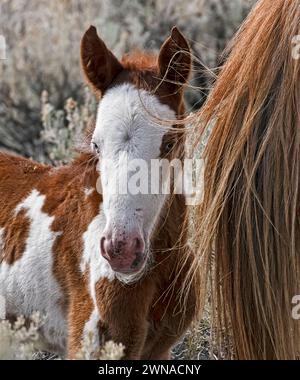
x=129 y=124
x=91 y=331
x=29 y=285
x=91 y=257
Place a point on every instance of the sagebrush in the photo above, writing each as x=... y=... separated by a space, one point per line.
x=43 y=41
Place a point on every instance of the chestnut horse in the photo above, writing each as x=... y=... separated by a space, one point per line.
x=98 y=262
x=249 y=220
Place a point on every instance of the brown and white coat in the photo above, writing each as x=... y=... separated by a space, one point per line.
x=52 y=219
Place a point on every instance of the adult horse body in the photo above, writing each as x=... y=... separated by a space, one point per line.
x=250 y=217
x=101 y=263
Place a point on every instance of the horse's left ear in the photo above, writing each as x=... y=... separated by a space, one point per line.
x=99 y=64
x=174 y=59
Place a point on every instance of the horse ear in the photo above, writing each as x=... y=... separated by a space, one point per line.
x=99 y=65
x=174 y=59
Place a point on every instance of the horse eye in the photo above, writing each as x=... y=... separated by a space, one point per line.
x=168 y=147
x=95 y=147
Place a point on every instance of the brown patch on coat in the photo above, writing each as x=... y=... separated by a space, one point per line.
x=18 y=177
x=73 y=212
x=80 y=309
x=15 y=237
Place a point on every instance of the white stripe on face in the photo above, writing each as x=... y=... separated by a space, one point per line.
x=126 y=124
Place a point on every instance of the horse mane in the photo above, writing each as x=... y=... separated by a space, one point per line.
x=248 y=223
x=138 y=60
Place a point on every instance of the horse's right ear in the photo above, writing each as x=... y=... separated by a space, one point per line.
x=99 y=65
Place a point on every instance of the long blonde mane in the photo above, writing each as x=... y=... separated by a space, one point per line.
x=249 y=222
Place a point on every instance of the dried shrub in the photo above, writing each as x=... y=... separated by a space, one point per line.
x=43 y=50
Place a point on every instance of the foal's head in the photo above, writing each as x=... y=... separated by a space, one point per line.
x=135 y=95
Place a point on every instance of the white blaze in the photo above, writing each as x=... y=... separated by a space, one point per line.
x=129 y=124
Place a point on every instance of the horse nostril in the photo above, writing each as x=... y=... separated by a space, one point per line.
x=102 y=241
x=137 y=261
x=104 y=249
x=138 y=245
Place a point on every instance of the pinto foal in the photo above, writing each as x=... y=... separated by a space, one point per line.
x=107 y=264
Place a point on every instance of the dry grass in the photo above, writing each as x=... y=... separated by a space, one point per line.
x=43 y=50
